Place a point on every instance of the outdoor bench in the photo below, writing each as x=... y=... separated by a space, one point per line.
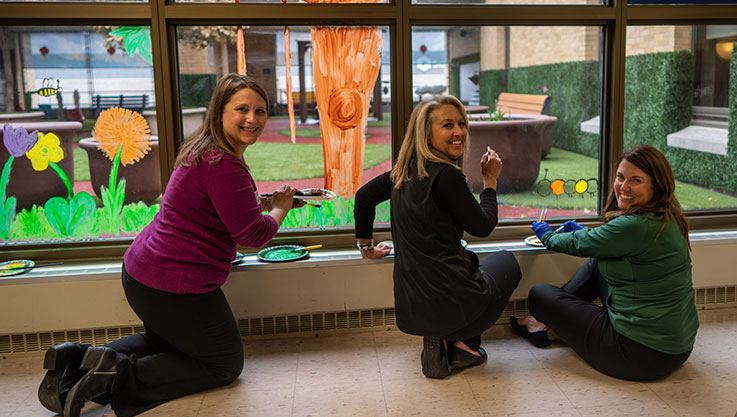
x=511 y=103
x=136 y=102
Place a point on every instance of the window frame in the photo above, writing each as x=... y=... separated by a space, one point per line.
x=400 y=16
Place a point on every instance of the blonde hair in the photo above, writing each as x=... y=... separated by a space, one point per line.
x=210 y=137
x=416 y=144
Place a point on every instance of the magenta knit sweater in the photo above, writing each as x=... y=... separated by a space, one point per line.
x=206 y=211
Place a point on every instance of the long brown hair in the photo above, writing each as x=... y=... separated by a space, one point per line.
x=210 y=137
x=653 y=163
x=416 y=144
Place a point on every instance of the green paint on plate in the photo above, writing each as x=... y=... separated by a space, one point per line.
x=282 y=254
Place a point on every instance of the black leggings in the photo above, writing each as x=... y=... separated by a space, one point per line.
x=586 y=328
x=191 y=344
x=502 y=274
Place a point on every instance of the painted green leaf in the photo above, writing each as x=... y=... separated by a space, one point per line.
x=136 y=39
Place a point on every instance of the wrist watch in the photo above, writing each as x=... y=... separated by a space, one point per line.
x=365 y=246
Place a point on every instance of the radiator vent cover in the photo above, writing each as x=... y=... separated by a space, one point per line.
x=716 y=296
x=297 y=324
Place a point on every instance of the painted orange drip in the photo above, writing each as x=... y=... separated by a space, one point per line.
x=118 y=127
x=345 y=62
x=241 y=46
x=290 y=99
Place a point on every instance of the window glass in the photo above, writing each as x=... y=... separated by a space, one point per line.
x=341 y=108
x=77 y=159
x=672 y=2
x=677 y=99
x=282 y=1
x=531 y=2
x=533 y=95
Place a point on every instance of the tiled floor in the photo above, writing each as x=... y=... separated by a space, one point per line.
x=378 y=374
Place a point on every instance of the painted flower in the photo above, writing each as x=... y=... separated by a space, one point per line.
x=46 y=150
x=118 y=127
x=18 y=141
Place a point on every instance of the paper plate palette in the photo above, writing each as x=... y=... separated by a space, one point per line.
x=5 y=270
x=314 y=194
x=533 y=241
x=282 y=253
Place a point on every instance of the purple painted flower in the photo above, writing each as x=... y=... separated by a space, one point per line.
x=18 y=141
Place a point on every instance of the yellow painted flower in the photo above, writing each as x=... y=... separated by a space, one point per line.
x=46 y=150
x=118 y=127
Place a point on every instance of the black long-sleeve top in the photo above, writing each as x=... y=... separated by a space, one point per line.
x=438 y=287
x=451 y=194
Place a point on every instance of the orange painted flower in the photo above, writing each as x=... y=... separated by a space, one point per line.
x=118 y=127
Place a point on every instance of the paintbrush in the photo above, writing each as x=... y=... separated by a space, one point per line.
x=15 y=268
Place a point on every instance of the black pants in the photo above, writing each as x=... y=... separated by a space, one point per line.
x=502 y=274
x=191 y=344
x=586 y=328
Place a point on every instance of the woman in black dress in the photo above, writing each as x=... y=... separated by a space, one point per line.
x=441 y=291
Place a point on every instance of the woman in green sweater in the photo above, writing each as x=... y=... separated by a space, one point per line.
x=639 y=266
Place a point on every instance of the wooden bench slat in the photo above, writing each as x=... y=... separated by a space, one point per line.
x=523 y=103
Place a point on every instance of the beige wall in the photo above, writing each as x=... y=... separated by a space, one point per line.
x=93 y=301
x=649 y=39
x=193 y=61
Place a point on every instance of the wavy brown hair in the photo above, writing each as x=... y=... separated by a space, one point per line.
x=664 y=202
x=416 y=144
x=209 y=138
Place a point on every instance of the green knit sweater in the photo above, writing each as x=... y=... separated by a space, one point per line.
x=651 y=297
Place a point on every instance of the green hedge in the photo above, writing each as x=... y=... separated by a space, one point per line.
x=491 y=83
x=573 y=87
x=196 y=89
x=658 y=102
x=657 y=96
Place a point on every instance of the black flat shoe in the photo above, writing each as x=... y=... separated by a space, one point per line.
x=434 y=358
x=459 y=358
x=62 y=362
x=99 y=366
x=538 y=338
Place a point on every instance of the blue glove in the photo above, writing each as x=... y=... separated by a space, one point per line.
x=540 y=228
x=568 y=226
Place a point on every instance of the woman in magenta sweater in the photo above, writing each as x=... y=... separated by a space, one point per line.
x=173 y=271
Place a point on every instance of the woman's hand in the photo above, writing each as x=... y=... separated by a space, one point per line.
x=377 y=252
x=283 y=198
x=281 y=201
x=491 y=167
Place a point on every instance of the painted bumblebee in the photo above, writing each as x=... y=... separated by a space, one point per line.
x=47 y=88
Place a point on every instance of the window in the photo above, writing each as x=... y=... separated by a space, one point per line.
x=321 y=154
x=676 y=99
x=64 y=181
x=527 y=89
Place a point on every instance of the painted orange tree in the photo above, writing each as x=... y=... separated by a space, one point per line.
x=345 y=62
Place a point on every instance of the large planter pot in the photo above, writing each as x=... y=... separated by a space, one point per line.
x=191 y=120
x=546 y=129
x=21 y=117
x=519 y=143
x=143 y=178
x=35 y=187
